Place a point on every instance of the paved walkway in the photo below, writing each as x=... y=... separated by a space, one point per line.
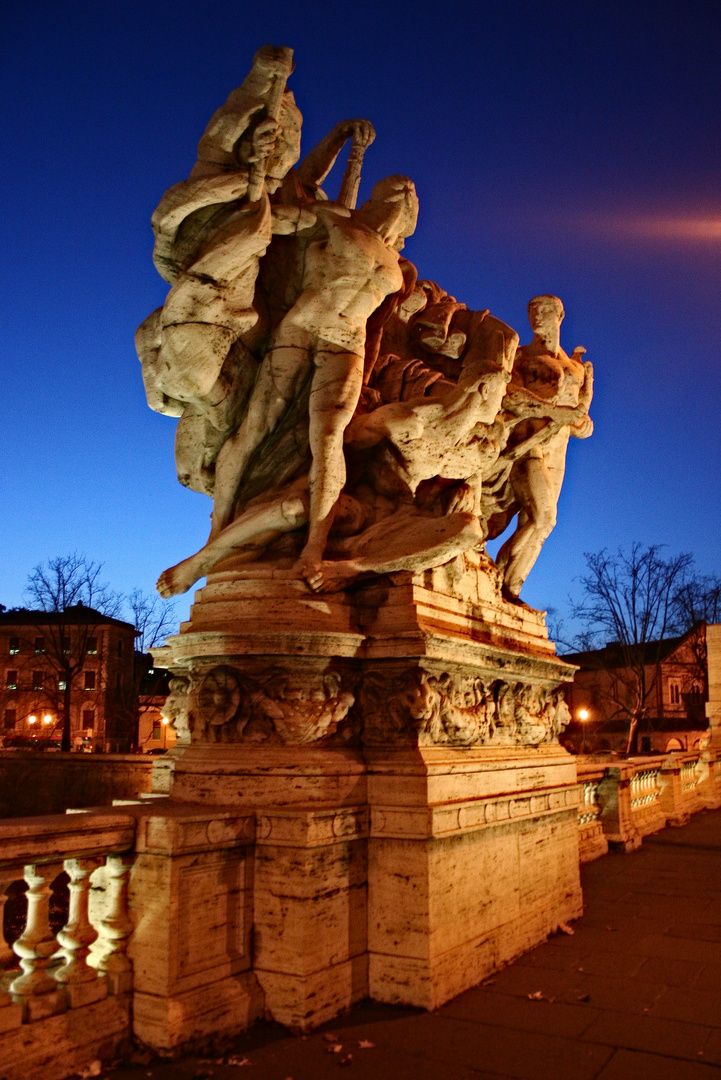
x=634 y=993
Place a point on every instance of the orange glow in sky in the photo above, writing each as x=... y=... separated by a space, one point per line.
x=683 y=229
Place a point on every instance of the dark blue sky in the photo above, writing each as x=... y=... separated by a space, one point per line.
x=565 y=148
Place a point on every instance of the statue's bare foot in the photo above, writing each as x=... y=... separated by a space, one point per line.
x=309 y=567
x=332 y=576
x=178 y=579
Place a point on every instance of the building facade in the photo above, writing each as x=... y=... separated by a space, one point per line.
x=676 y=681
x=78 y=655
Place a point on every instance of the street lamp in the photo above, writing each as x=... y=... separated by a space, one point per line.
x=165 y=722
x=583 y=716
x=47 y=719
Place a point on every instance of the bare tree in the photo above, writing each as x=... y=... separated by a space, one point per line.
x=630 y=606
x=697 y=602
x=70 y=588
x=154 y=619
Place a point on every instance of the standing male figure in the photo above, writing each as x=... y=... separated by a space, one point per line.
x=553 y=392
x=351 y=265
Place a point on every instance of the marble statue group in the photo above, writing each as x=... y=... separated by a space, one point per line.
x=346 y=417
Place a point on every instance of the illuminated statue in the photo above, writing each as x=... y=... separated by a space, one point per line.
x=346 y=418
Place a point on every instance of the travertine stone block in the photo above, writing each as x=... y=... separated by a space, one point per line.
x=191 y=894
x=61 y=1045
x=303 y=1002
x=44 y=1005
x=713 y=705
x=254 y=776
x=79 y=994
x=460 y=885
x=311 y=911
x=224 y=1007
x=11 y=1016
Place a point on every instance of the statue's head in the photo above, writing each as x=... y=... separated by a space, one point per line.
x=545 y=312
x=287 y=145
x=492 y=389
x=392 y=209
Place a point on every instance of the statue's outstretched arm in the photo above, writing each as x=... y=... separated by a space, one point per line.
x=316 y=165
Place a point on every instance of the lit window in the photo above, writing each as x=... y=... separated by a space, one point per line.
x=92 y=648
x=39 y=645
x=14 y=646
x=37 y=680
x=89 y=680
x=12 y=680
x=10 y=717
x=88 y=719
x=61 y=684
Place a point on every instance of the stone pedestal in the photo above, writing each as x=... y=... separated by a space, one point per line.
x=192 y=884
x=713 y=705
x=416 y=818
x=473 y=859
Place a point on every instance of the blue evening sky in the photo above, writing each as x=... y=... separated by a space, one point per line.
x=570 y=148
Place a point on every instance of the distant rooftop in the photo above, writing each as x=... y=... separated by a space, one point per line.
x=78 y=613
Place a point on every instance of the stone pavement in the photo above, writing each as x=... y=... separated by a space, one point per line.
x=634 y=992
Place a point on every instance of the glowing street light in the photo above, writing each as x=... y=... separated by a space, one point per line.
x=47 y=719
x=165 y=721
x=32 y=719
x=583 y=716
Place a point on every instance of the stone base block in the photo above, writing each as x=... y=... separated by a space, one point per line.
x=62 y=1045
x=223 y=1008
x=257 y=776
x=429 y=982
x=42 y=1006
x=459 y=886
x=592 y=843
x=119 y=982
x=86 y=993
x=11 y=1016
x=625 y=844
x=310 y=903
x=303 y=1002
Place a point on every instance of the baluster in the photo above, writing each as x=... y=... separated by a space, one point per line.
x=116 y=925
x=77 y=935
x=7 y=956
x=36 y=945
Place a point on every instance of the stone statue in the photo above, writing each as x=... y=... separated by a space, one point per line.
x=549 y=396
x=357 y=679
x=346 y=418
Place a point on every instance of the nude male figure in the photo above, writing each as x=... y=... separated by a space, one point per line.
x=351 y=265
x=554 y=391
x=448 y=433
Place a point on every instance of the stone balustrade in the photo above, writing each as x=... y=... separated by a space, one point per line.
x=73 y=983
x=156 y=935
x=623 y=801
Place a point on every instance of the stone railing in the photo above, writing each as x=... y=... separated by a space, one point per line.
x=132 y=921
x=623 y=801
x=72 y=983
x=591 y=839
x=33 y=783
